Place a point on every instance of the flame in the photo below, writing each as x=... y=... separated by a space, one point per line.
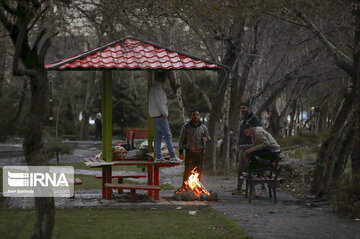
x=194 y=183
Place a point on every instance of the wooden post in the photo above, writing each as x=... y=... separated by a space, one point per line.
x=151 y=135
x=156 y=181
x=107 y=116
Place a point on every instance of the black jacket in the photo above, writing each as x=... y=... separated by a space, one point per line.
x=191 y=137
x=254 y=121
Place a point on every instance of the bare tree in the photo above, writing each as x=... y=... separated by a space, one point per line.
x=22 y=20
x=343 y=139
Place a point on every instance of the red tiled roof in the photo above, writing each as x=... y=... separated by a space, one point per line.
x=135 y=54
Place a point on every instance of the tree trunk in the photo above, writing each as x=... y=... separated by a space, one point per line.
x=226 y=137
x=292 y=118
x=320 y=120
x=2 y=67
x=45 y=218
x=334 y=149
x=35 y=154
x=176 y=88
x=88 y=103
x=84 y=126
x=274 y=122
x=355 y=152
x=333 y=155
x=203 y=93
x=215 y=116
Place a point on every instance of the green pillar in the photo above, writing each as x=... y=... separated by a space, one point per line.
x=151 y=133
x=107 y=116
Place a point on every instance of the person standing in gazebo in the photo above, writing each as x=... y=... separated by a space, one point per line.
x=158 y=111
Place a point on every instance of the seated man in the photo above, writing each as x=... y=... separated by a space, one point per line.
x=264 y=147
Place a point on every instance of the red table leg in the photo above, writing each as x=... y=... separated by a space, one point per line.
x=150 y=179
x=103 y=181
x=107 y=177
x=156 y=181
x=120 y=181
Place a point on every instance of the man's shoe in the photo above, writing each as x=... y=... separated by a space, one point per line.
x=160 y=160
x=237 y=192
x=175 y=160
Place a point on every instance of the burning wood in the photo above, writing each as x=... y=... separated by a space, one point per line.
x=194 y=189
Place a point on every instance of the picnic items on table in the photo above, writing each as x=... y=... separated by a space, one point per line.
x=143 y=150
x=164 y=153
x=118 y=153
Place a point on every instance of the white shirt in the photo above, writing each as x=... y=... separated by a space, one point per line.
x=157 y=100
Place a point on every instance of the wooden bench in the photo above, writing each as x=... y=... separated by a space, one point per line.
x=121 y=177
x=268 y=175
x=132 y=187
x=133 y=138
x=77 y=181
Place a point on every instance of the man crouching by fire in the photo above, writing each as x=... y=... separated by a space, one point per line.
x=193 y=137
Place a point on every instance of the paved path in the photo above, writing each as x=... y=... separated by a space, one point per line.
x=289 y=218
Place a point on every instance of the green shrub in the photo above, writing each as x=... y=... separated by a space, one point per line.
x=301 y=138
x=346 y=196
x=54 y=147
x=298 y=154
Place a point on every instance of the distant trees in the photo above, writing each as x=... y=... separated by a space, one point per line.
x=273 y=62
x=343 y=140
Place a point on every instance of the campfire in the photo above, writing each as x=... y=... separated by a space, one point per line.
x=193 y=189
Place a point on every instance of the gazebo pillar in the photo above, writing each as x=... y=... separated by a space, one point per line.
x=151 y=133
x=107 y=115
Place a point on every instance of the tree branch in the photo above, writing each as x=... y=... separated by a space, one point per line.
x=5 y=21
x=203 y=39
x=21 y=102
x=18 y=48
x=7 y=8
x=203 y=93
x=38 y=16
x=45 y=47
x=336 y=53
x=285 y=20
x=38 y=39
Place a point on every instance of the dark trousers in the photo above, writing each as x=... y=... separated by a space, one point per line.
x=266 y=159
x=241 y=166
x=193 y=160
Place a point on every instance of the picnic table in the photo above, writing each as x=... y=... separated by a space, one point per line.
x=153 y=176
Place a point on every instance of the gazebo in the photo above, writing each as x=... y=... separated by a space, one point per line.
x=128 y=53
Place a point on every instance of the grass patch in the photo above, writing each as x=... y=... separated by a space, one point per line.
x=346 y=196
x=298 y=154
x=313 y=153
x=120 y=223
x=301 y=138
x=1 y=180
x=167 y=186
x=115 y=168
x=90 y=182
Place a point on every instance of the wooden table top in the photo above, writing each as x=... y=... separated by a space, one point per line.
x=95 y=162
